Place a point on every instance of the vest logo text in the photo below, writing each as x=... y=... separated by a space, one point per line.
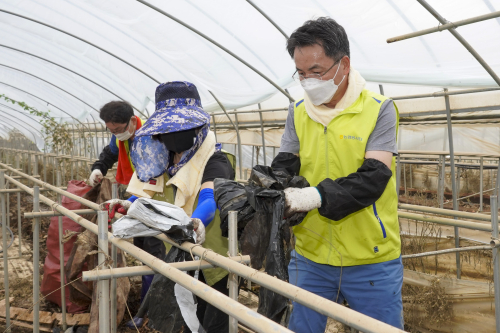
x=350 y=137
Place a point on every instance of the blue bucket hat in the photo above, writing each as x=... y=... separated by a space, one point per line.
x=178 y=108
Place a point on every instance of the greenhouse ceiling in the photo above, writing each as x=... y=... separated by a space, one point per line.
x=73 y=56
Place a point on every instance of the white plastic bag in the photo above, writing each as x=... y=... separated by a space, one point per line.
x=148 y=217
x=185 y=299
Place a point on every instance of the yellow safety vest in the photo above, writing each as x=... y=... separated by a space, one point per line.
x=368 y=236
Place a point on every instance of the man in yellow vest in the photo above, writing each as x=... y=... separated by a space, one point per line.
x=342 y=138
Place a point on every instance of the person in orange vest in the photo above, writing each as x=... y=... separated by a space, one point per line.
x=121 y=122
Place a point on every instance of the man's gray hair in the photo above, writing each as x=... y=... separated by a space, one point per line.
x=323 y=31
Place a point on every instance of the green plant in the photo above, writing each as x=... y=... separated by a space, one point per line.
x=56 y=134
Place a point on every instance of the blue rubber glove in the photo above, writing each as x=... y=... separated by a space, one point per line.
x=205 y=211
x=132 y=198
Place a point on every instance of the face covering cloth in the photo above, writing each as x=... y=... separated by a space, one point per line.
x=324 y=115
x=127 y=134
x=321 y=91
x=179 y=142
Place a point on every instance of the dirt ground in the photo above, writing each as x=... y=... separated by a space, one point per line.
x=420 y=237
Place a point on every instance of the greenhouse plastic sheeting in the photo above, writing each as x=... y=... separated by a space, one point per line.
x=165 y=50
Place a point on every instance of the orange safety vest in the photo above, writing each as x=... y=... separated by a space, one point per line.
x=125 y=168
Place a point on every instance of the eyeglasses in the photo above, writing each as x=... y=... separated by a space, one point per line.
x=119 y=132
x=299 y=77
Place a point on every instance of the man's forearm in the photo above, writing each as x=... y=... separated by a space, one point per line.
x=346 y=195
x=106 y=160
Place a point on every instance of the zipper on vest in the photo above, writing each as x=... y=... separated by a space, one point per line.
x=327 y=161
x=379 y=221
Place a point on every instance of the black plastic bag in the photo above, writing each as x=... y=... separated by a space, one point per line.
x=266 y=234
x=232 y=196
x=271 y=203
x=267 y=237
x=160 y=303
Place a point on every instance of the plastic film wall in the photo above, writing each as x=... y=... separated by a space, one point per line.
x=131 y=47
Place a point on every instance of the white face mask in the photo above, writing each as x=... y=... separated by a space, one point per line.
x=320 y=91
x=125 y=135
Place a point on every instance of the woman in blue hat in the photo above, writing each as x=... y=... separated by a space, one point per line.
x=175 y=148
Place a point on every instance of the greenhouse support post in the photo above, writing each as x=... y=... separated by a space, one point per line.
x=114 y=257
x=44 y=159
x=71 y=162
x=35 y=166
x=215 y=127
x=7 y=200
x=442 y=93
x=233 y=278
x=36 y=261
x=103 y=285
x=69 y=70
x=240 y=156
x=411 y=178
x=496 y=261
x=29 y=167
x=497 y=186
x=5 y=252
x=462 y=40
x=83 y=40
x=253 y=153
x=263 y=136
x=404 y=179
x=453 y=179
x=398 y=174
x=61 y=256
x=185 y=266
x=253 y=320
x=250 y=318
x=268 y=18
x=446 y=26
x=19 y=225
x=481 y=161
x=262 y=75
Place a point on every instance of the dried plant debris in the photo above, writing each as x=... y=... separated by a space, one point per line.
x=424 y=305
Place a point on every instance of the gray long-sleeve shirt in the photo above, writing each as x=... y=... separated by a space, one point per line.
x=383 y=137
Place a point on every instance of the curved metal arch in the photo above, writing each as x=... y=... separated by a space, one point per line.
x=81 y=39
x=268 y=18
x=12 y=126
x=234 y=36
x=147 y=47
x=89 y=43
x=219 y=46
x=462 y=41
x=39 y=78
x=69 y=70
x=24 y=91
x=412 y=26
x=7 y=129
x=22 y=125
x=24 y=114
